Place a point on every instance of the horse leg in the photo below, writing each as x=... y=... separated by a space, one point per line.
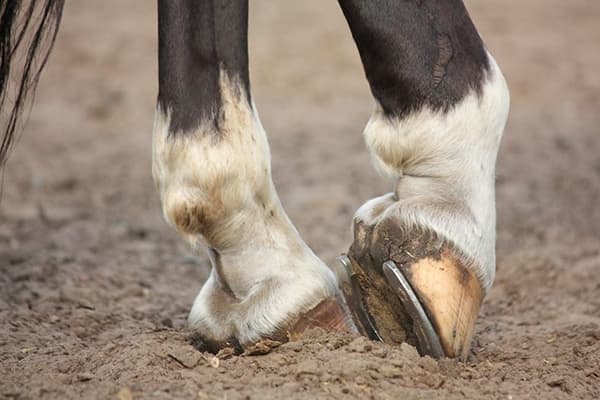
x=211 y=165
x=441 y=108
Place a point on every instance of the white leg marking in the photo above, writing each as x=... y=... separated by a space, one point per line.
x=216 y=190
x=444 y=165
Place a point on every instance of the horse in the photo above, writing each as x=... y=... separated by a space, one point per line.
x=423 y=256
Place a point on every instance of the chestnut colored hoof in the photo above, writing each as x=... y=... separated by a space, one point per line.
x=329 y=315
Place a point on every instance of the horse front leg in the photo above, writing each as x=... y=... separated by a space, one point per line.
x=211 y=165
x=423 y=256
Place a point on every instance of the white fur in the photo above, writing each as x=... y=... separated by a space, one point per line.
x=444 y=166
x=272 y=273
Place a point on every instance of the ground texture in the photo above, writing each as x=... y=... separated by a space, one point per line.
x=94 y=287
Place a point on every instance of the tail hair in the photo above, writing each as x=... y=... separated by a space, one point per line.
x=28 y=30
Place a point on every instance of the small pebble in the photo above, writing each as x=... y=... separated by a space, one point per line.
x=85 y=376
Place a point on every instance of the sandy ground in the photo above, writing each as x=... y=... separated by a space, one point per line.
x=94 y=287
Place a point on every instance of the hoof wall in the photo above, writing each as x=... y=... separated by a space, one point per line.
x=439 y=297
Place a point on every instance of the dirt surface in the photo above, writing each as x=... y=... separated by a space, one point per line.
x=94 y=287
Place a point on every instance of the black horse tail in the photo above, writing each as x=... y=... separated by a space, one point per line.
x=28 y=29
